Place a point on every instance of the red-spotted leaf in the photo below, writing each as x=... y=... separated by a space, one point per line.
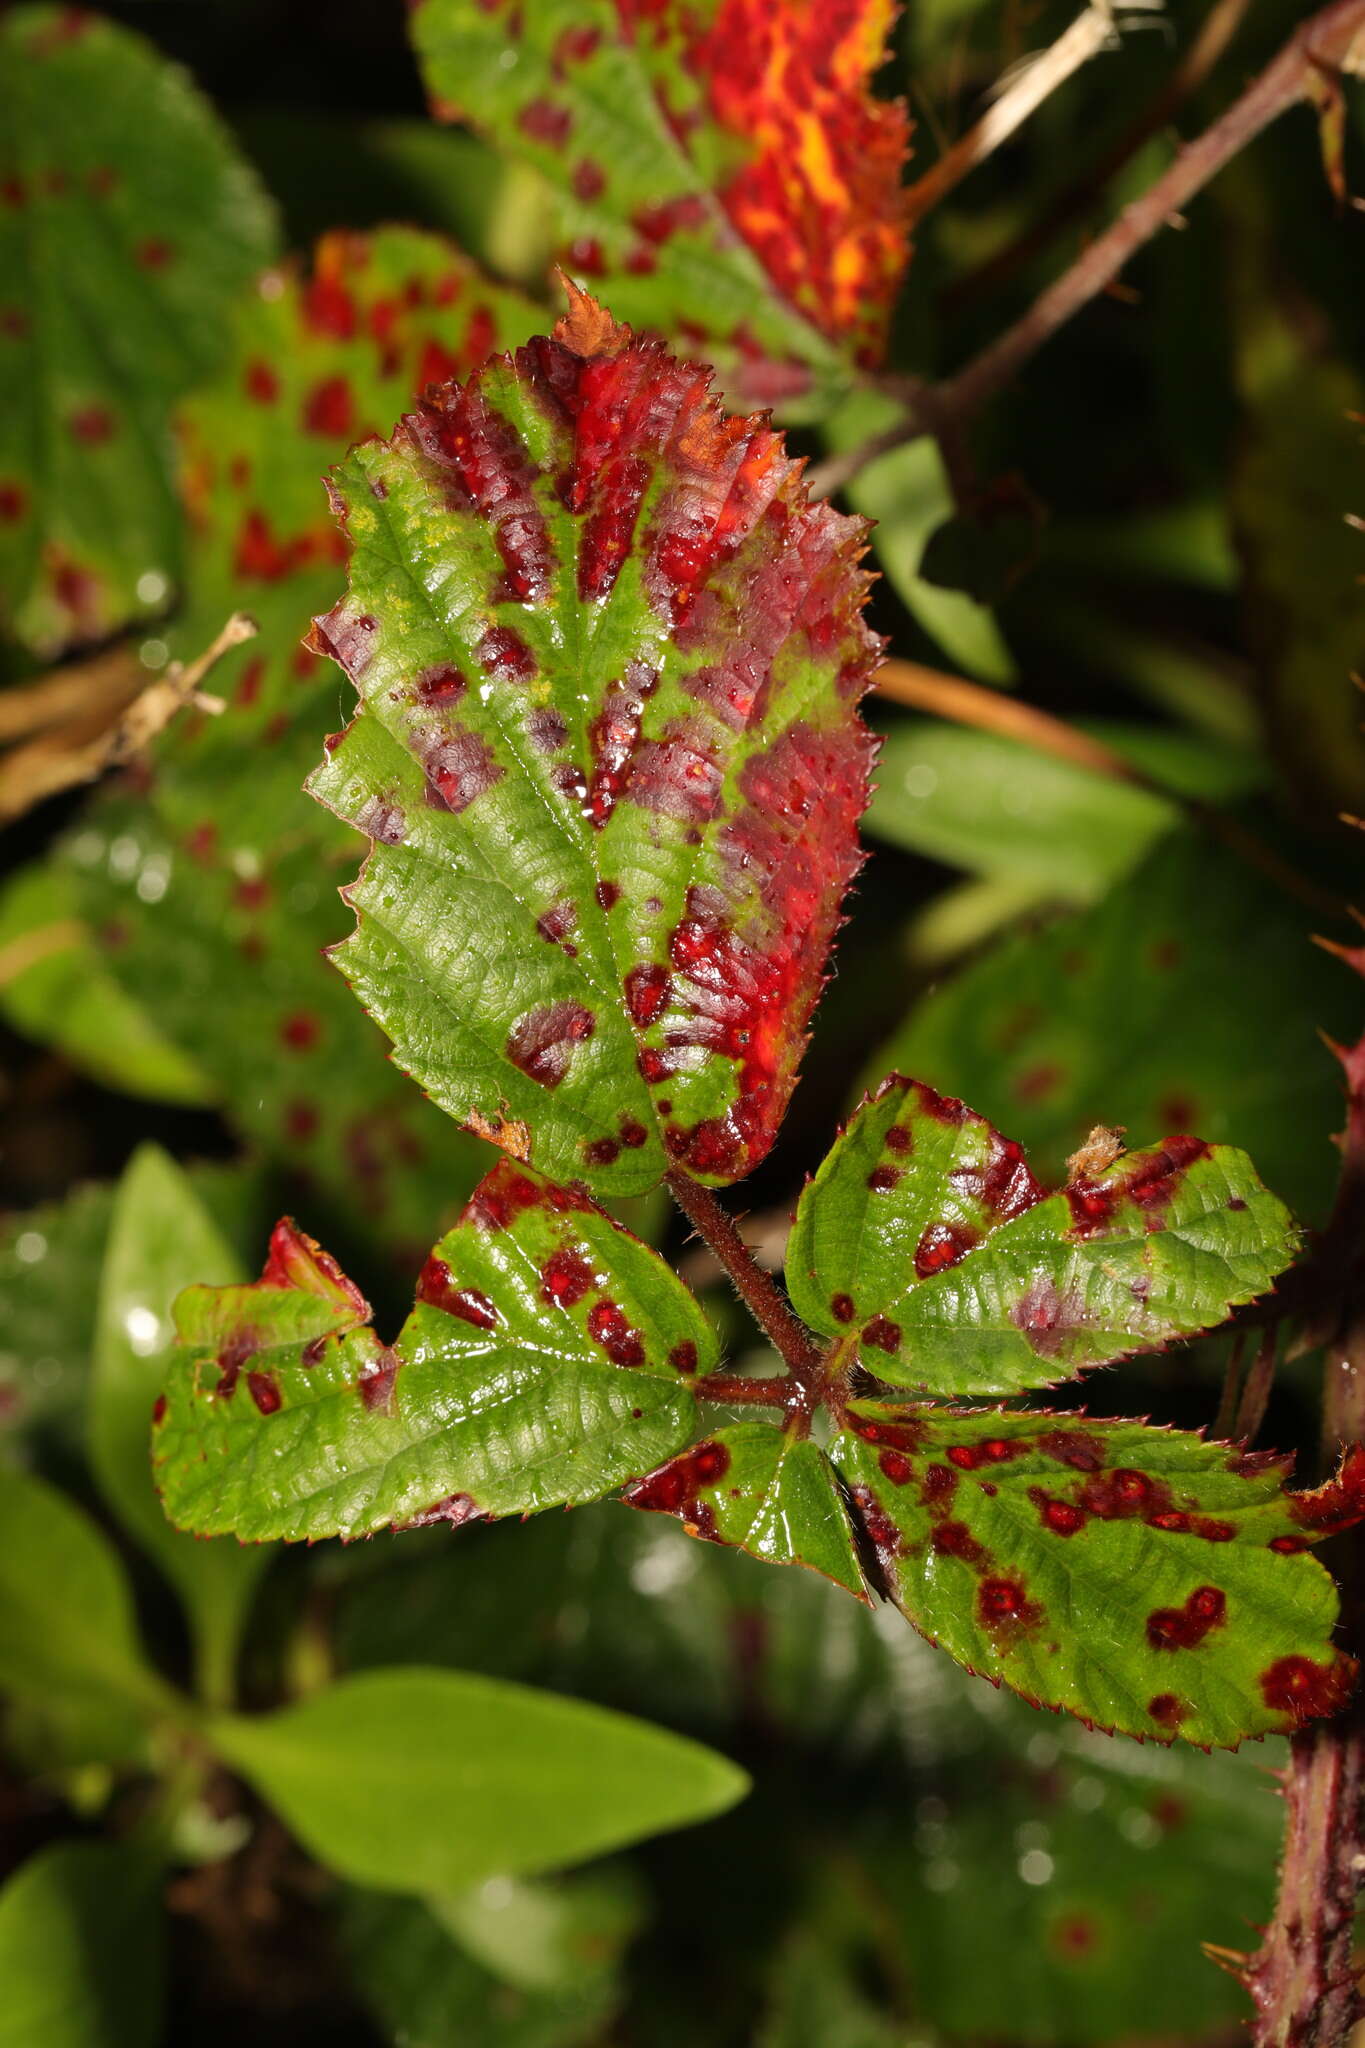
x=550 y=1357
x=128 y=226
x=759 y=1489
x=1146 y=1580
x=609 y=658
x=724 y=170
x=925 y=1241
x=220 y=873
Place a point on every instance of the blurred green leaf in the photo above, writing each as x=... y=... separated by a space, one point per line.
x=428 y=1989
x=546 y=1936
x=130 y=226
x=57 y=988
x=1186 y=1000
x=994 y=806
x=161 y=1240
x=66 y=1613
x=422 y=1781
x=908 y=494
x=80 y=1949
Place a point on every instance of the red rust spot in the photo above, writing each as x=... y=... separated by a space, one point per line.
x=942 y=1245
x=92 y=424
x=376 y=1384
x=955 y=1539
x=675 y=1487
x=260 y=382
x=155 y=252
x=1304 y=1690
x=898 y=1470
x=300 y=1031
x=159 y=1410
x=504 y=655
x=1168 y=1709
x=841 y=1308
x=1062 y=1517
x=882 y=1333
x=436 y=1288
x=607 y=1326
x=648 y=988
x=542 y=1042
x=1184 y=1628
x=883 y=1178
x=441 y=684
x=566 y=1277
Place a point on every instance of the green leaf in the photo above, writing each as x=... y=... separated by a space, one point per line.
x=47 y=1313
x=994 y=806
x=160 y=1239
x=128 y=228
x=925 y=1241
x=724 y=172
x=1179 y=1002
x=80 y=1949
x=908 y=494
x=609 y=658
x=549 y=1358
x=430 y=1781
x=56 y=988
x=1143 y=1579
x=222 y=875
x=546 y=1935
x=66 y=1614
x=755 y=1487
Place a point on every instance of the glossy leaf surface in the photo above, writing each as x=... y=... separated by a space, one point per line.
x=549 y=1357
x=756 y=1488
x=1130 y=1016
x=724 y=169
x=926 y=1238
x=1143 y=1579
x=127 y=229
x=160 y=1240
x=428 y=1781
x=609 y=661
x=80 y=1949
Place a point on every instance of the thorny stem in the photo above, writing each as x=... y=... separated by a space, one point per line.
x=756 y=1289
x=1325 y=44
x=1216 y=31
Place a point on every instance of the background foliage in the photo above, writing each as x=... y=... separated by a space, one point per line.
x=1159 y=556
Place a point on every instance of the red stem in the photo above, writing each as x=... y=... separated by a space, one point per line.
x=756 y=1289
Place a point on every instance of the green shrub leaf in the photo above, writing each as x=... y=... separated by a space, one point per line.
x=549 y=1358
x=1144 y=1579
x=428 y=1781
x=925 y=1239
x=160 y=1239
x=128 y=227
x=609 y=659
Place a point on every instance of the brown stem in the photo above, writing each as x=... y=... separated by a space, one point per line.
x=1256 y=1393
x=966 y=703
x=756 y=1289
x=1219 y=26
x=1324 y=44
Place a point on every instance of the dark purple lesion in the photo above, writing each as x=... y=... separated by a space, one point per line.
x=543 y=1041
x=459 y=766
x=676 y=1489
x=1150 y=1181
x=1046 y=1316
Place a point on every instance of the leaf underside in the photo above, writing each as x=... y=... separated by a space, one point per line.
x=609 y=659
x=549 y=1357
x=925 y=1241
x=723 y=170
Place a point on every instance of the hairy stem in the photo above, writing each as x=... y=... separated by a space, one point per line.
x=1325 y=44
x=756 y=1289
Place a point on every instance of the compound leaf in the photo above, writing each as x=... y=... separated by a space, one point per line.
x=127 y=227
x=549 y=1358
x=1146 y=1580
x=760 y=1490
x=724 y=171
x=609 y=659
x=925 y=1240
